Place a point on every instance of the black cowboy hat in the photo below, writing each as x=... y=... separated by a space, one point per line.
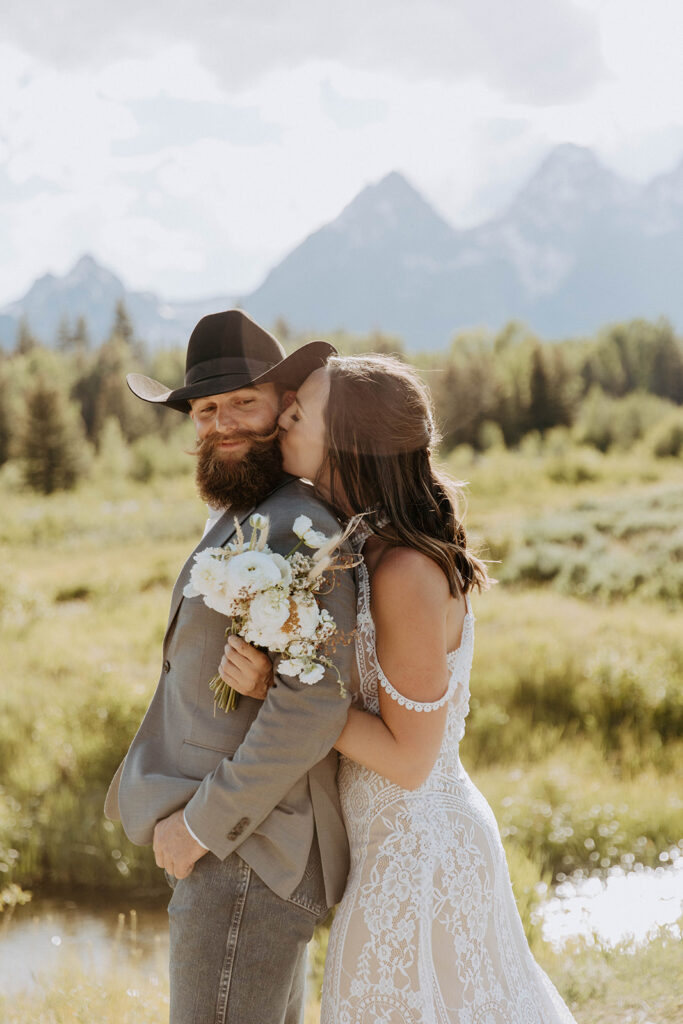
x=228 y=351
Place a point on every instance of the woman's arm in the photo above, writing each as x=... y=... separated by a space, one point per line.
x=410 y=598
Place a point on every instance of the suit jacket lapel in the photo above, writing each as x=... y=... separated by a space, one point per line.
x=219 y=535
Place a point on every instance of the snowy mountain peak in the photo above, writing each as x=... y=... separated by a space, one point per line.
x=568 y=187
x=390 y=206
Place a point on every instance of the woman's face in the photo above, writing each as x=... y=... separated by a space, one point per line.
x=302 y=427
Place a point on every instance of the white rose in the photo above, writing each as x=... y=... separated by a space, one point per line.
x=302 y=524
x=313 y=675
x=250 y=572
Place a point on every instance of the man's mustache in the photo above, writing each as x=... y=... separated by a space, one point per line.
x=214 y=439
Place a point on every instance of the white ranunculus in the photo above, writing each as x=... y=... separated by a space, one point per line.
x=268 y=612
x=284 y=567
x=207 y=575
x=313 y=675
x=290 y=667
x=221 y=602
x=251 y=572
x=307 y=613
x=302 y=524
x=258 y=522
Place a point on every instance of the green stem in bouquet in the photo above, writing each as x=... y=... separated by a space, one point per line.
x=224 y=696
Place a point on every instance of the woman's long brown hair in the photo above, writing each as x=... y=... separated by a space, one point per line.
x=380 y=432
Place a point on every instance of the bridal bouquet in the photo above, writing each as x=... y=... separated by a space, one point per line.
x=271 y=598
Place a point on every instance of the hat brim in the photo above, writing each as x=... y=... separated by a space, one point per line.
x=290 y=373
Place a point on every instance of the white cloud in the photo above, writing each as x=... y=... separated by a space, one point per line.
x=539 y=51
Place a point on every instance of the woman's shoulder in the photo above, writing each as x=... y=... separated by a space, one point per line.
x=403 y=574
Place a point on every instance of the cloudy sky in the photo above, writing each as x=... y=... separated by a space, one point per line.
x=190 y=145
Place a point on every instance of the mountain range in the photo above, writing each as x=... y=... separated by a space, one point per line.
x=577 y=247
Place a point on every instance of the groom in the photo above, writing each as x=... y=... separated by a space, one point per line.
x=242 y=808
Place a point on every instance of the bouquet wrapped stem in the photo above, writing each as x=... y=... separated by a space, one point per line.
x=224 y=697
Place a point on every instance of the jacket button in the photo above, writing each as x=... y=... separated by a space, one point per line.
x=167 y=666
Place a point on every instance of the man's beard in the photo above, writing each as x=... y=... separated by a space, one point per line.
x=238 y=482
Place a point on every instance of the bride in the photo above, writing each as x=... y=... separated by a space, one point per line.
x=427 y=931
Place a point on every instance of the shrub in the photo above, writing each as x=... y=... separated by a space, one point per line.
x=665 y=440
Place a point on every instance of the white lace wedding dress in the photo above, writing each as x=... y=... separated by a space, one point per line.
x=427 y=931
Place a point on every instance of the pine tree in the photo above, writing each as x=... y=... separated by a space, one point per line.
x=80 y=339
x=63 y=334
x=542 y=412
x=26 y=339
x=123 y=325
x=51 y=446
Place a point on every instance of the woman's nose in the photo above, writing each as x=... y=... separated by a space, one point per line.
x=284 y=418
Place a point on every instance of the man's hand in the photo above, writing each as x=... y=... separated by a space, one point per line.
x=174 y=848
x=246 y=669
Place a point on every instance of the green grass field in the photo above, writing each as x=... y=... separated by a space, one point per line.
x=576 y=726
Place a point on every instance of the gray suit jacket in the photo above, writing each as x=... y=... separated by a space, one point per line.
x=261 y=779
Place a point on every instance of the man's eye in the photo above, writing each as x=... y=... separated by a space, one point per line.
x=247 y=401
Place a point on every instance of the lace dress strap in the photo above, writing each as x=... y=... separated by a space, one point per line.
x=454 y=677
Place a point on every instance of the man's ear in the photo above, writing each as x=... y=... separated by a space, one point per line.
x=287 y=399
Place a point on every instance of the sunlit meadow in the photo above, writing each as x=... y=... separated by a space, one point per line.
x=577 y=695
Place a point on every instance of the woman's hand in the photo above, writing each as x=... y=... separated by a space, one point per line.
x=246 y=669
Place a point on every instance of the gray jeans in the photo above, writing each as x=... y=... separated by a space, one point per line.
x=238 y=951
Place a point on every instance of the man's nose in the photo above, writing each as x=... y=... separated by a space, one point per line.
x=226 y=421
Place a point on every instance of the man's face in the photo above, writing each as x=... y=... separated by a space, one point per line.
x=252 y=410
x=238 y=457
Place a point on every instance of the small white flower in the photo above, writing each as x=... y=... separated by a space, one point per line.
x=258 y=522
x=301 y=649
x=314 y=539
x=302 y=524
x=190 y=591
x=313 y=674
x=251 y=572
x=291 y=667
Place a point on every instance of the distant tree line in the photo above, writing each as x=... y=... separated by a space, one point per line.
x=63 y=406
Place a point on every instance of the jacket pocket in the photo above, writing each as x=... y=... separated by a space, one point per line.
x=198 y=760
